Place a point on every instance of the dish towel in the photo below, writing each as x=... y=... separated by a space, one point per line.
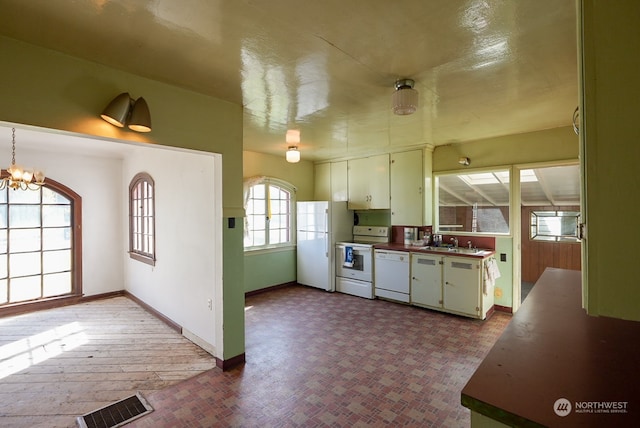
x=491 y=273
x=348 y=257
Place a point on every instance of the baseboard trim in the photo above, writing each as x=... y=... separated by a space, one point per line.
x=55 y=302
x=506 y=309
x=231 y=363
x=273 y=287
x=168 y=321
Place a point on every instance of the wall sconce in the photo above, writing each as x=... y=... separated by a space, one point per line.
x=464 y=161
x=124 y=110
x=293 y=154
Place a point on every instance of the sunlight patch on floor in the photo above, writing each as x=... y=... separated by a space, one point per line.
x=24 y=353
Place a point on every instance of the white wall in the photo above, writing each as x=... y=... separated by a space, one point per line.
x=98 y=180
x=188 y=269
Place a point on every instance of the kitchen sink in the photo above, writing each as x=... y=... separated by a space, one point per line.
x=459 y=250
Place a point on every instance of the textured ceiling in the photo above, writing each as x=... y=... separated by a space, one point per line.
x=483 y=68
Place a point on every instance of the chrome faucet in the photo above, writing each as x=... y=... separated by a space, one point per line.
x=469 y=244
x=455 y=242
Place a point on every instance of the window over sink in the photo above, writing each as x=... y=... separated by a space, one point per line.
x=474 y=202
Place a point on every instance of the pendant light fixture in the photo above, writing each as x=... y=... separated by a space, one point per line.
x=18 y=177
x=405 y=99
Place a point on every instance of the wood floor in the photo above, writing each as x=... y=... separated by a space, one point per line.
x=58 y=364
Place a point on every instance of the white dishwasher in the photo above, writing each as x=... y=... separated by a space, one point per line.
x=391 y=275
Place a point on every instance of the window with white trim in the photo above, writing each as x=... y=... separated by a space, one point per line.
x=269 y=213
x=142 y=246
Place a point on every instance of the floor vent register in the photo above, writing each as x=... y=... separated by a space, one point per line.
x=116 y=414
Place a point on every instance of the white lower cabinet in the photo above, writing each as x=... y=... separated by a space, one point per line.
x=462 y=285
x=450 y=284
x=426 y=280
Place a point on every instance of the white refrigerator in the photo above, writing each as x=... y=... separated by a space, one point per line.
x=319 y=225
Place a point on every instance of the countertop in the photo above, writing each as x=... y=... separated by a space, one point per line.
x=552 y=349
x=418 y=249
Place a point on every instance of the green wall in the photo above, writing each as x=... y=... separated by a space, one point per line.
x=267 y=269
x=49 y=89
x=533 y=147
x=263 y=269
x=504 y=285
x=299 y=174
x=611 y=141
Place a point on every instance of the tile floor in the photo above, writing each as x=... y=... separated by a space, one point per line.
x=318 y=359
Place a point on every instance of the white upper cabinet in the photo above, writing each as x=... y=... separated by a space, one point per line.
x=330 y=182
x=406 y=183
x=322 y=182
x=339 y=182
x=368 y=183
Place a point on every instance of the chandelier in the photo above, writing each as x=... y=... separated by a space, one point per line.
x=17 y=177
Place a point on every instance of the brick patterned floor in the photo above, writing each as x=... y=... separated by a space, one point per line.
x=318 y=359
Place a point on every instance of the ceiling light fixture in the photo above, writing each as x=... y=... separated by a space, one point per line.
x=405 y=99
x=293 y=154
x=18 y=177
x=293 y=136
x=464 y=161
x=124 y=110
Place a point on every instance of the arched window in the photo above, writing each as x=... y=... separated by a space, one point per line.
x=269 y=213
x=142 y=244
x=40 y=244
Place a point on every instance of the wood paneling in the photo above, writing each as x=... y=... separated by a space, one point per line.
x=537 y=255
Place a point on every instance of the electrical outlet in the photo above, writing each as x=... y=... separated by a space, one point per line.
x=210 y=304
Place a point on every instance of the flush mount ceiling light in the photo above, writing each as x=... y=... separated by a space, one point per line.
x=293 y=154
x=464 y=161
x=124 y=110
x=292 y=138
x=18 y=177
x=405 y=99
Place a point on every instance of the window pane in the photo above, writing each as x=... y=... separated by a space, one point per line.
x=3 y=215
x=24 y=264
x=56 y=238
x=24 y=215
x=257 y=222
x=259 y=237
x=3 y=291
x=22 y=240
x=24 y=289
x=257 y=192
x=3 y=266
x=24 y=197
x=275 y=222
x=274 y=237
x=3 y=241
x=56 y=261
x=50 y=196
x=56 y=215
x=477 y=202
x=56 y=284
x=3 y=196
